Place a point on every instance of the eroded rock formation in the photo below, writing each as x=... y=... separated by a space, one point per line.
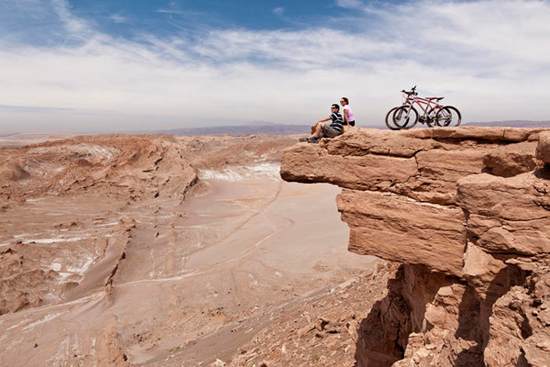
x=465 y=211
x=137 y=250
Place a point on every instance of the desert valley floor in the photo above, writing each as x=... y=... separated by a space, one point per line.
x=160 y=251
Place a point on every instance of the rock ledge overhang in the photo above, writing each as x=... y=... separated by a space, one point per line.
x=427 y=196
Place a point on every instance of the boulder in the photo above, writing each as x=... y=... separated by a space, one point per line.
x=543 y=147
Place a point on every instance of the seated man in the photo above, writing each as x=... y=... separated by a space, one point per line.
x=326 y=129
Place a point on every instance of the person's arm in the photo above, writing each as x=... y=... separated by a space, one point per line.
x=325 y=119
x=346 y=119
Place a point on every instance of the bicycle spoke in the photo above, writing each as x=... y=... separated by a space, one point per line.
x=405 y=117
x=448 y=116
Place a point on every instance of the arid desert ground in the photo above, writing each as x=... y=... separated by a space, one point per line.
x=161 y=250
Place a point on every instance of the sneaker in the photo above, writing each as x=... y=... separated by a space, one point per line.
x=303 y=139
x=313 y=140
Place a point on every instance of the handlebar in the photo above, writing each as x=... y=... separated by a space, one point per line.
x=413 y=91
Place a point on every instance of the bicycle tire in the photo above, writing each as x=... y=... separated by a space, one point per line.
x=448 y=116
x=403 y=120
x=430 y=117
x=387 y=120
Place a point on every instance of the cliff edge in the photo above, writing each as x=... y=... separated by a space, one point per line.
x=465 y=212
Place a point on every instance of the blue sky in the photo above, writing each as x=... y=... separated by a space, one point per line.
x=104 y=66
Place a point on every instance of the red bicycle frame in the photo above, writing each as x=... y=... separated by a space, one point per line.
x=427 y=104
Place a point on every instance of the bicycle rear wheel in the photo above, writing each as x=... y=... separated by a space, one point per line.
x=430 y=117
x=405 y=117
x=389 y=119
x=448 y=116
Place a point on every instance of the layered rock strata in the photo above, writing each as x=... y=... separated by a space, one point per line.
x=466 y=213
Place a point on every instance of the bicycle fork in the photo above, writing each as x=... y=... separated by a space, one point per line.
x=407 y=113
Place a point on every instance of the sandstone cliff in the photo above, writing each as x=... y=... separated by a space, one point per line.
x=465 y=211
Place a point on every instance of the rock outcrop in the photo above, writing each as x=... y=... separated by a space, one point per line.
x=466 y=212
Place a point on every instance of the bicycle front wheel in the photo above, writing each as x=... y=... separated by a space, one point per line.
x=448 y=116
x=389 y=119
x=405 y=117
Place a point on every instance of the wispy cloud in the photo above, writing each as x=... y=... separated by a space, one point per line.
x=170 y=11
x=350 y=4
x=73 y=24
x=117 y=18
x=489 y=58
x=278 y=11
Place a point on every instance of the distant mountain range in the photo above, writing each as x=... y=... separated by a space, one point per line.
x=511 y=123
x=270 y=128
x=252 y=128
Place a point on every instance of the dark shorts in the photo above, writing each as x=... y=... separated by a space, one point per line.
x=328 y=131
x=352 y=123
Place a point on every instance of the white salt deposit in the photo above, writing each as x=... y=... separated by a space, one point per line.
x=53 y=240
x=57 y=265
x=83 y=150
x=81 y=265
x=238 y=173
x=107 y=224
x=44 y=320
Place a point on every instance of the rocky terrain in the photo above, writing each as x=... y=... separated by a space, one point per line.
x=167 y=251
x=463 y=213
x=191 y=251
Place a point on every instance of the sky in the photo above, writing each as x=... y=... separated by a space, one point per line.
x=136 y=65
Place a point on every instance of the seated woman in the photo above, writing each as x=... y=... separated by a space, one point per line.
x=325 y=129
x=347 y=113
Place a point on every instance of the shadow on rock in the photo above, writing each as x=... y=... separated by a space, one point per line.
x=383 y=334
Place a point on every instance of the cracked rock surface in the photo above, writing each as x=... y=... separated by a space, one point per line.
x=465 y=212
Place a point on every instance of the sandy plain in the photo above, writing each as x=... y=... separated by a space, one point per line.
x=165 y=281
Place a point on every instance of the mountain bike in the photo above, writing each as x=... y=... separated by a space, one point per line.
x=434 y=114
x=408 y=98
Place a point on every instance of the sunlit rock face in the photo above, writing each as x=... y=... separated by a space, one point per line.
x=466 y=212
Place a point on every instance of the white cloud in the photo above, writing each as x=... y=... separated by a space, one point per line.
x=117 y=18
x=350 y=4
x=278 y=11
x=73 y=25
x=488 y=58
x=170 y=11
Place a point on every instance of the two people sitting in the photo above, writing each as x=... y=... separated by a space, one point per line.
x=332 y=125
